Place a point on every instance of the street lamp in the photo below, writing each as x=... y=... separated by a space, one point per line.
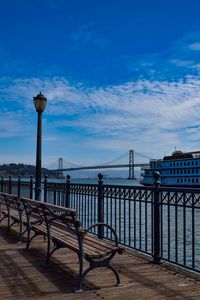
x=40 y=103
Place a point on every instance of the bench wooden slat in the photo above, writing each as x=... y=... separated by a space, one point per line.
x=69 y=240
x=90 y=247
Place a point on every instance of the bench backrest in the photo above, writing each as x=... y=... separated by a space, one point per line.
x=51 y=213
x=12 y=202
x=60 y=216
x=32 y=209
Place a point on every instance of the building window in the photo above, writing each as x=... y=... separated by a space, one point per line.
x=178 y=180
x=197 y=180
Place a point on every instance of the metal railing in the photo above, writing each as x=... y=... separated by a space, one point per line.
x=163 y=222
x=18 y=187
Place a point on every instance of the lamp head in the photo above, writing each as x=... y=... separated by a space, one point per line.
x=40 y=102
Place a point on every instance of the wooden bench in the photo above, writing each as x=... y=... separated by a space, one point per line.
x=3 y=208
x=12 y=208
x=62 y=229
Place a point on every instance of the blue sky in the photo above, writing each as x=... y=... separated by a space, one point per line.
x=118 y=75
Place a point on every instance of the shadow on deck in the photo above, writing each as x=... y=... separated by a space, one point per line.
x=24 y=276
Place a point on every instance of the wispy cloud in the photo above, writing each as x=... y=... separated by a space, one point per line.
x=11 y=124
x=195 y=46
x=153 y=114
x=146 y=114
x=172 y=64
x=84 y=35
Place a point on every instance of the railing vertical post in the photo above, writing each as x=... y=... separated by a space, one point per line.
x=156 y=219
x=45 y=188
x=100 y=205
x=10 y=185
x=31 y=187
x=67 y=204
x=54 y=198
x=2 y=184
x=19 y=186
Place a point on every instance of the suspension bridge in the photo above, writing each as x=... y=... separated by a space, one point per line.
x=131 y=165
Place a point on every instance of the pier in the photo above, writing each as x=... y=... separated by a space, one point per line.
x=157 y=226
x=23 y=276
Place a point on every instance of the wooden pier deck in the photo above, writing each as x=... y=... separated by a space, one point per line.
x=24 y=276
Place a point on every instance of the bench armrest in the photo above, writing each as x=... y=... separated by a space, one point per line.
x=104 y=225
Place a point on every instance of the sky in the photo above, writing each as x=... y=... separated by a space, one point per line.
x=117 y=74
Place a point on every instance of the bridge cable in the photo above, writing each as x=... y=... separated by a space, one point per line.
x=116 y=159
x=143 y=155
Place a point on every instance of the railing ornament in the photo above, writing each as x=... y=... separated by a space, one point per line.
x=156 y=177
x=100 y=176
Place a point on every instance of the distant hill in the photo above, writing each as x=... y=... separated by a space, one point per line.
x=23 y=170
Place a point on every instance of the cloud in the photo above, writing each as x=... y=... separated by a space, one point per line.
x=146 y=114
x=152 y=114
x=172 y=64
x=195 y=46
x=11 y=124
x=86 y=35
x=140 y=109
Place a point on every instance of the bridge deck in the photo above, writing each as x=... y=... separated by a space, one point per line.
x=23 y=276
x=118 y=166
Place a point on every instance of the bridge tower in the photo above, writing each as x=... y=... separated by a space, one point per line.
x=131 y=164
x=60 y=173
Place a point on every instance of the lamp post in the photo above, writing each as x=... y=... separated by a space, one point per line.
x=40 y=104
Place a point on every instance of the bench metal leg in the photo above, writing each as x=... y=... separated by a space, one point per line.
x=3 y=218
x=50 y=252
x=29 y=239
x=94 y=265
x=20 y=232
x=118 y=284
x=80 y=276
x=11 y=224
x=8 y=224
